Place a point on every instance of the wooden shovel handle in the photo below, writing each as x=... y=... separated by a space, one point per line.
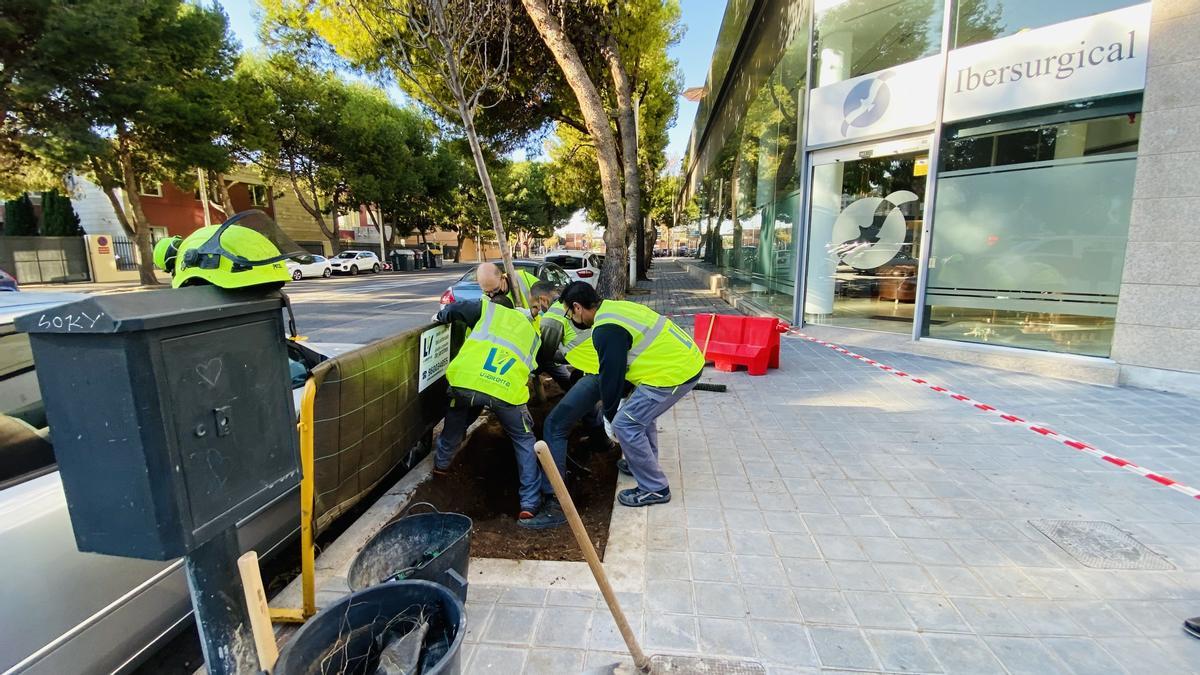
x=589 y=553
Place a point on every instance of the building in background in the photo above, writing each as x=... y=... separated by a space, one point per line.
x=1001 y=181
x=580 y=234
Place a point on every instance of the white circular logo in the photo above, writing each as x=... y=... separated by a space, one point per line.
x=871 y=231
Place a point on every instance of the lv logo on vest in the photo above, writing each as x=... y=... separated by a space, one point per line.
x=491 y=366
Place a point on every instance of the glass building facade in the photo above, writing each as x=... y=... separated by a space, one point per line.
x=946 y=169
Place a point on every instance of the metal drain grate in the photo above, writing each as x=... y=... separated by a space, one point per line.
x=693 y=665
x=1101 y=545
x=663 y=664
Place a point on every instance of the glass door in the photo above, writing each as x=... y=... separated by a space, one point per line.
x=864 y=235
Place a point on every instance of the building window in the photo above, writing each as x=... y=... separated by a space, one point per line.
x=258 y=194
x=856 y=37
x=214 y=194
x=865 y=230
x=151 y=188
x=1029 y=233
x=978 y=21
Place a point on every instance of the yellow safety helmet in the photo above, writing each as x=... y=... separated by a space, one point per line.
x=165 y=251
x=249 y=249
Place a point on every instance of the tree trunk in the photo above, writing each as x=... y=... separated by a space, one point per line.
x=378 y=226
x=141 y=227
x=108 y=185
x=616 y=262
x=333 y=234
x=458 y=251
x=110 y=191
x=313 y=208
x=493 y=206
x=223 y=192
x=627 y=123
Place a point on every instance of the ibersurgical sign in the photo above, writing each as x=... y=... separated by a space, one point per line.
x=1094 y=56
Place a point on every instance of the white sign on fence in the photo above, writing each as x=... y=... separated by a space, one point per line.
x=435 y=355
x=1084 y=58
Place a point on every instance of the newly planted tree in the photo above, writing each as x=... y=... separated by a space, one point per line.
x=452 y=55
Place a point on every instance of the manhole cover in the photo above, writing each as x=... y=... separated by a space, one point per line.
x=1101 y=545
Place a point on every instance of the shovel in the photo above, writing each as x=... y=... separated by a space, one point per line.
x=662 y=665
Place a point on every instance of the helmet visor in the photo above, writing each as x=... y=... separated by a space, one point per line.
x=265 y=225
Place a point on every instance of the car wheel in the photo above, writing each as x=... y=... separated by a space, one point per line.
x=375 y=269
x=297 y=275
x=353 y=270
x=327 y=273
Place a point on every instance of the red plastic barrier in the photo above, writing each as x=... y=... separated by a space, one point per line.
x=731 y=340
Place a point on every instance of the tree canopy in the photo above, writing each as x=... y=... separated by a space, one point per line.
x=120 y=90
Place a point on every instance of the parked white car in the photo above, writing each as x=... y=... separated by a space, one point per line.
x=579 y=265
x=353 y=262
x=310 y=266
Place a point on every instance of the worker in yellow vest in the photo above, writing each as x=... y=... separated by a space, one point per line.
x=492 y=371
x=581 y=401
x=635 y=344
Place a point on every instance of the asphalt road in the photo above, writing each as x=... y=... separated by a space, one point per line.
x=368 y=307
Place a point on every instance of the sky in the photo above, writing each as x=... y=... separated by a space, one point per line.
x=701 y=18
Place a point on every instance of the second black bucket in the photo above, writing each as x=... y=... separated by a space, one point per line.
x=348 y=637
x=430 y=546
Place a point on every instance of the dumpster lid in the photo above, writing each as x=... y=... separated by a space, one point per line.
x=148 y=310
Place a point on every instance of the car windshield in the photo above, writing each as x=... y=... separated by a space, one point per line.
x=347 y=254
x=567 y=262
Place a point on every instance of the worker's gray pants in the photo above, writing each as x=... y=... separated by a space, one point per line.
x=636 y=428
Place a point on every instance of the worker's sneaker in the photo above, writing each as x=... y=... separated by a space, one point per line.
x=1192 y=626
x=440 y=471
x=549 y=515
x=623 y=466
x=639 y=497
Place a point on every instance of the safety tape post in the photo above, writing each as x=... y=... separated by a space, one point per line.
x=1039 y=429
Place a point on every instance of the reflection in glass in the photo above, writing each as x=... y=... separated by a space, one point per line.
x=856 y=37
x=864 y=242
x=967 y=148
x=1028 y=246
x=750 y=196
x=978 y=21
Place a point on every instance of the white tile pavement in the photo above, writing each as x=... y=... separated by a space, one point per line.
x=829 y=517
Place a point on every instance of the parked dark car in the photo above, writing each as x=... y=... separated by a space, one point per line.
x=467 y=287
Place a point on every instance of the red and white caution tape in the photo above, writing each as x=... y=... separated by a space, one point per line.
x=1038 y=429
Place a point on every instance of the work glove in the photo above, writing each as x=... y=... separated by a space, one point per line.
x=608 y=428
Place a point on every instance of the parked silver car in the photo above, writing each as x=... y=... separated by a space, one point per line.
x=63 y=611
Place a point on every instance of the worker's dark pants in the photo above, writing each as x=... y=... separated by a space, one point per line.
x=465 y=406
x=581 y=402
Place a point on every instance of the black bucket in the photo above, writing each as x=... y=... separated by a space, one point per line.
x=345 y=638
x=430 y=546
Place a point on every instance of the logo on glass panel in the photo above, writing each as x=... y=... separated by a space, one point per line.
x=871 y=231
x=866 y=103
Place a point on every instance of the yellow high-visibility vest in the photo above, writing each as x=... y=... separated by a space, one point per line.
x=577 y=345
x=662 y=355
x=498 y=356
